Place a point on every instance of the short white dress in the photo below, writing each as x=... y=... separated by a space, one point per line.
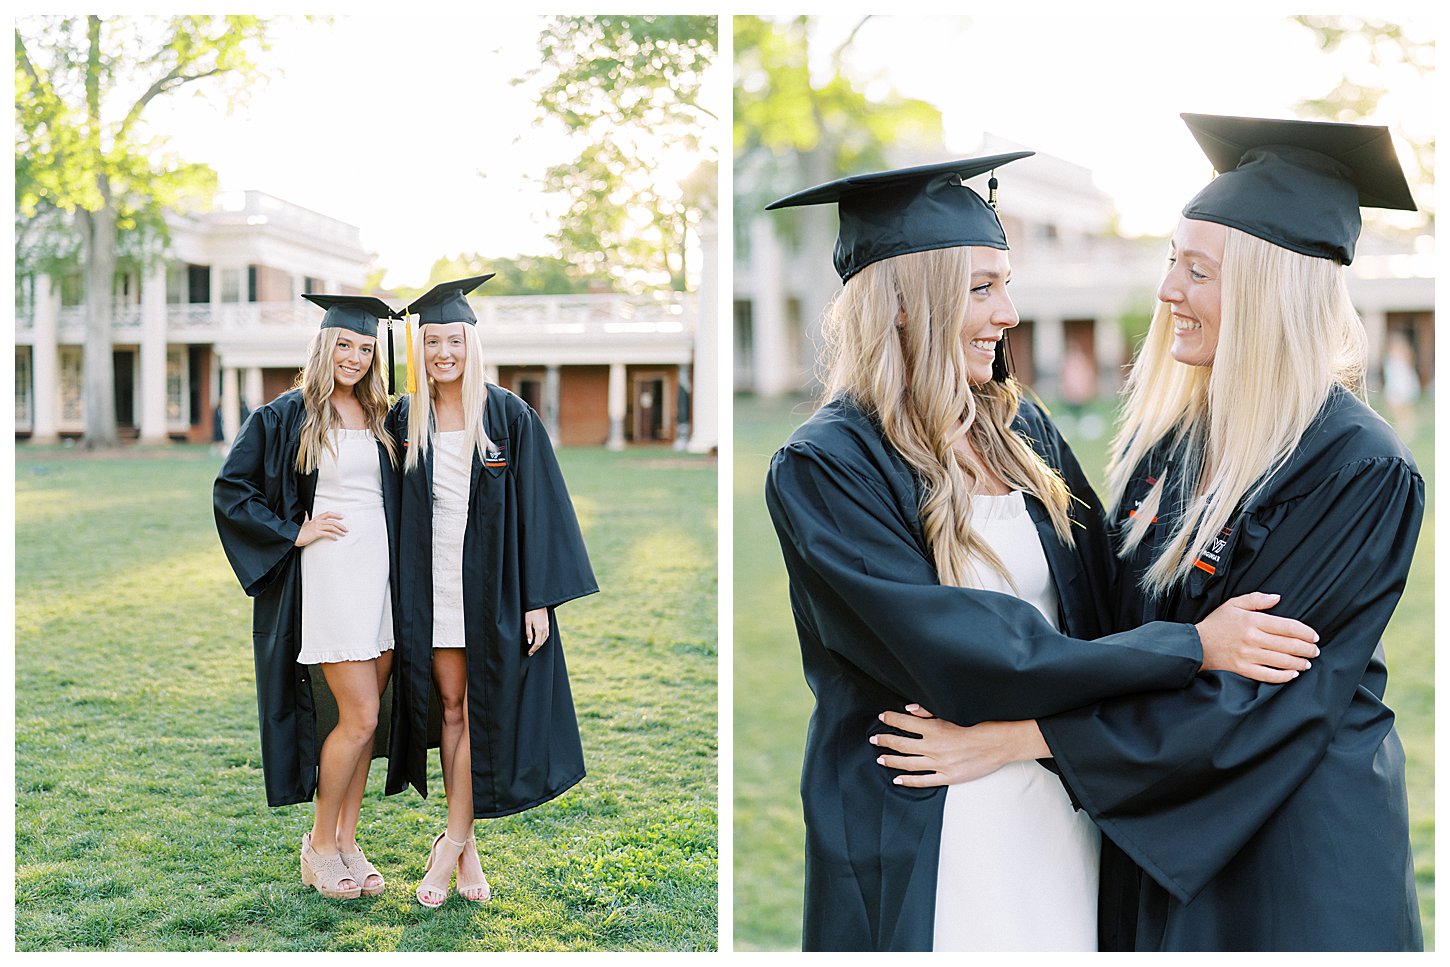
x=347 y=612
x=452 y=477
x=1019 y=866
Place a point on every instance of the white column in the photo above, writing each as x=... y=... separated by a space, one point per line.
x=705 y=380
x=551 y=402
x=231 y=406
x=617 y=407
x=770 y=343
x=252 y=389
x=153 y=356
x=45 y=362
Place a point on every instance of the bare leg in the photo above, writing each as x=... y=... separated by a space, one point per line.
x=450 y=673
x=354 y=685
x=347 y=817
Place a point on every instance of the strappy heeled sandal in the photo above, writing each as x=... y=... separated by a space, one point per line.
x=426 y=892
x=326 y=874
x=482 y=884
x=361 y=869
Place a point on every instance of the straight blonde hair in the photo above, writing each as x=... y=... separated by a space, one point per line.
x=1288 y=333
x=317 y=384
x=421 y=419
x=914 y=381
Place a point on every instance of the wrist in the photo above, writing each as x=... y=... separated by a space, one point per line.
x=1025 y=742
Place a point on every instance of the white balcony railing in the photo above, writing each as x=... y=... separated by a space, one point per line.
x=664 y=314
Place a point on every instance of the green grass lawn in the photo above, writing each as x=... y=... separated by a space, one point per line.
x=140 y=820
x=772 y=703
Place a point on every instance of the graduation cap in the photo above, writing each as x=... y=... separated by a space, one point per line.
x=445 y=302
x=359 y=314
x=1298 y=184
x=889 y=213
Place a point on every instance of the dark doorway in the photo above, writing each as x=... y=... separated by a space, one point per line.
x=124 y=367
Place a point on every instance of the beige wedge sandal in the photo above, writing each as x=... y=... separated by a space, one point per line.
x=362 y=870
x=326 y=874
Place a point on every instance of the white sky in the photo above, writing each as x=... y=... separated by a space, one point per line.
x=1105 y=91
x=406 y=126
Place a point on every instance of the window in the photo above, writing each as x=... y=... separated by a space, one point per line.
x=72 y=383
x=178 y=396
x=23 y=414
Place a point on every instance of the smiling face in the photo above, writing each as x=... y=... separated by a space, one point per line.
x=990 y=311
x=445 y=347
x=352 y=357
x=1192 y=292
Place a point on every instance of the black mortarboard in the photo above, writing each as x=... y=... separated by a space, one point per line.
x=447 y=302
x=1298 y=184
x=888 y=213
x=360 y=314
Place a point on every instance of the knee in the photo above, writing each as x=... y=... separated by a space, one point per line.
x=455 y=711
x=359 y=725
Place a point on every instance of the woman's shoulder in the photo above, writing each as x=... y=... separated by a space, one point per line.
x=286 y=409
x=508 y=404
x=1347 y=435
x=841 y=438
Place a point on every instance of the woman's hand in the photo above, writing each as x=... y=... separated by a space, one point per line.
x=951 y=753
x=1260 y=647
x=327 y=524
x=536 y=629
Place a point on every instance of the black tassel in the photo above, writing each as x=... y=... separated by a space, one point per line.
x=992 y=191
x=391 y=390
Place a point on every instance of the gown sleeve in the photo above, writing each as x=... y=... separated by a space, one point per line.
x=554 y=564
x=255 y=539
x=862 y=582
x=1182 y=780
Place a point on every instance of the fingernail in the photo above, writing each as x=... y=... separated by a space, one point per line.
x=882 y=716
x=1294 y=675
x=1307 y=666
x=896 y=781
x=881 y=760
x=912 y=707
x=872 y=740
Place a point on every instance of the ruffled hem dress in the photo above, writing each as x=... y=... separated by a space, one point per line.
x=452 y=478
x=347 y=612
x=1018 y=867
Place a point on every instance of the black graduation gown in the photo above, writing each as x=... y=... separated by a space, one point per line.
x=522 y=550
x=1268 y=817
x=260 y=501
x=877 y=630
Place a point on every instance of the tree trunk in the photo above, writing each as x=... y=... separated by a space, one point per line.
x=99 y=231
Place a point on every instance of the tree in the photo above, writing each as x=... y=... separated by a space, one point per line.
x=1384 y=59
x=86 y=162
x=631 y=88
x=520 y=275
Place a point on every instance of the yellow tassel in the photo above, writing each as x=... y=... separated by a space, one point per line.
x=412 y=375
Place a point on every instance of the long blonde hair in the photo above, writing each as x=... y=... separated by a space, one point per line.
x=914 y=381
x=1288 y=333
x=475 y=396
x=317 y=385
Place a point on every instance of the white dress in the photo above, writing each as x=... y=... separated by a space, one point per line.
x=347 y=612
x=1019 y=866
x=452 y=477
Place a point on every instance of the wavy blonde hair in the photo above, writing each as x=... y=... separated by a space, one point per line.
x=1288 y=333
x=421 y=420
x=317 y=385
x=914 y=381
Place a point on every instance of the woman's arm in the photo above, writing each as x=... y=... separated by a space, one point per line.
x=256 y=539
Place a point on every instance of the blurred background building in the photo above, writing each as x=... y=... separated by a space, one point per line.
x=1084 y=292
x=217 y=328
